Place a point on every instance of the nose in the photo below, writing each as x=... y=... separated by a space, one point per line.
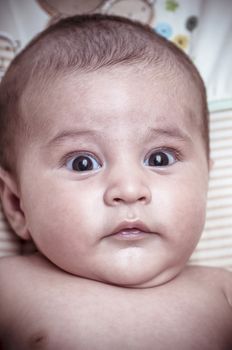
x=127 y=188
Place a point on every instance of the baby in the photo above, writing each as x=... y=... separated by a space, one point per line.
x=105 y=166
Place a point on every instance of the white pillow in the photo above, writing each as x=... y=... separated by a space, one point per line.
x=215 y=246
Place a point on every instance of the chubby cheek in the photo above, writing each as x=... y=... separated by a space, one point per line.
x=55 y=220
x=181 y=210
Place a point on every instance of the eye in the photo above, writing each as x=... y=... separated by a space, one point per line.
x=161 y=158
x=83 y=162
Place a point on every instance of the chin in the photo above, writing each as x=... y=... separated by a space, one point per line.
x=142 y=278
x=132 y=280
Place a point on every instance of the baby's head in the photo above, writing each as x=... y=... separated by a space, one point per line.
x=104 y=150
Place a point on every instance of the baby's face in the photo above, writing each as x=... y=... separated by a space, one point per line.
x=114 y=188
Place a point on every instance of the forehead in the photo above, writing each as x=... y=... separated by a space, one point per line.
x=121 y=95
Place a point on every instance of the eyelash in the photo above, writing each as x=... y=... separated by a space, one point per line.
x=175 y=153
x=68 y=157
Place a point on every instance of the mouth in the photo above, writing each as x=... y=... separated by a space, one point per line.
x=131 y=231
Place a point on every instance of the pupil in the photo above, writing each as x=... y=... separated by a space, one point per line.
x=82 y=164
x=158 y=159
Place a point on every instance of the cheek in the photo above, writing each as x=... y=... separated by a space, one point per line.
x=189 y=211
x=58 y=210
x=182 y=206
x=49 y=216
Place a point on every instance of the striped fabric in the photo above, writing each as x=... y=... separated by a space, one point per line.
x=9 y=243
x=215 y=246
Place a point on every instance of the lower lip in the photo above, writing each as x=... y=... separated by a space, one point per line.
x=130 y=235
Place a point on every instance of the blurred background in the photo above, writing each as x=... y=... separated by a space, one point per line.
x=201 y=28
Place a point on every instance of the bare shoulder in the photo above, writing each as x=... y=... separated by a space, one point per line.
x=15 y=268
x=30 y=272
x=208 y=272
x=18 y=266
x=20 y=276
x=213 y=277
x=9 y=262
x=9 y=269
x=216 y=276
x=227 y=284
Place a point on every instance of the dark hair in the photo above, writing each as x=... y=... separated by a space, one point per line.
x=82 y=43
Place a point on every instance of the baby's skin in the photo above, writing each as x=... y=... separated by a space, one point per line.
x=43 y=307
x=112 y=189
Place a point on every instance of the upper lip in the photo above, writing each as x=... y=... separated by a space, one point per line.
x=131 y=225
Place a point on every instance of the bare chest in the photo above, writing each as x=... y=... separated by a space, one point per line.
x=109 y=320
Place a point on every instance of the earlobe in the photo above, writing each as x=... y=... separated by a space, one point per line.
x=11 y=204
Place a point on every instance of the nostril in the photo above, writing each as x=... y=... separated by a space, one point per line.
x=117 y=200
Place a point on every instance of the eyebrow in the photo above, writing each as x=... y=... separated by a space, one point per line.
x=157 y=133
x=168 y=132
x=64 y=135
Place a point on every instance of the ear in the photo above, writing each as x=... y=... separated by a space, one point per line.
x=11 y=204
